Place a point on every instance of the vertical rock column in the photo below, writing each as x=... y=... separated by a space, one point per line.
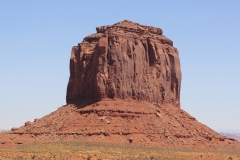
x=125 y=60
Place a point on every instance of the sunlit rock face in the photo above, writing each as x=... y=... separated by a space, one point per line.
x=125 y=60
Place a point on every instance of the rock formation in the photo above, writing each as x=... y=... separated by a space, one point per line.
x=125 y=60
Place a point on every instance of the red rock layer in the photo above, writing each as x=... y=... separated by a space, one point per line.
x=125 y=60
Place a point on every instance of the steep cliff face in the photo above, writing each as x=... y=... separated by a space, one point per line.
x=125 y=60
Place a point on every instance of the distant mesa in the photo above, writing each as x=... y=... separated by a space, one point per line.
x=125 y=60
x=3 y=130
x=232 y=135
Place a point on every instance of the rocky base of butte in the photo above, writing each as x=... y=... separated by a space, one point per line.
x=118 y=121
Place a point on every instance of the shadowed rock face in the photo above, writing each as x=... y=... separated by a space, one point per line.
x=125 y=60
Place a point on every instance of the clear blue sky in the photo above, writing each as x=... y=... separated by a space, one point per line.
x=36 y=38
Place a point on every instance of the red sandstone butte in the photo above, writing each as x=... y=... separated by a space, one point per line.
x=112 y=67
x=125 y=60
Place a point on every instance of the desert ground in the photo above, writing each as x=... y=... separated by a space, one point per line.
x=105 y=151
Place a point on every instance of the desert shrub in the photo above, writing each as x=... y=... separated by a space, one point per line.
x=33 y=156
x=89 y=157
